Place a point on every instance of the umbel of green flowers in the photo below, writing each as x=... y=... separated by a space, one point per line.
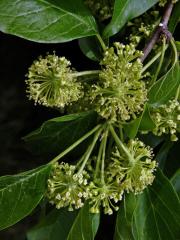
x=101 y=9
x=136 y=172
x=120 y=93
x=52 y=83
x=129 y=169
x=167 y=119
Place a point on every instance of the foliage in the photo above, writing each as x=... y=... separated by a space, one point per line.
x=119 y=121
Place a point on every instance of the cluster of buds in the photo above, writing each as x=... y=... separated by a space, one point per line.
x=52 y=83
x=167 y=119
x=101 y=9
x=142 y=27
x=67 y=188
x=120 y=92
x=162 y=3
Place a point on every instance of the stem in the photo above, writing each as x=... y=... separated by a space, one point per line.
x=84 y=73
x=120 y=144
x=101 y=42
x=70 y=148
x=89 y=151
x=160 y=63
x=177 y=93
x=151 y=62
x=121 y=133
x=162 y=28
x=175 y=51
x=103 y=156
x=98 y=160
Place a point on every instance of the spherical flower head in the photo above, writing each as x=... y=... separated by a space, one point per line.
x=52 y=83
x=133 y=173
x=167 y=119
x=66 y=188
x=104 y=195
x=120 y=92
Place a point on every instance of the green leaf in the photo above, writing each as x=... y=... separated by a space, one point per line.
x=20 y=194
x=55 y=226
x=175 y=18
x=85 y=225
x=46 y=21
x=142 y=123
x=90 y=47
x=146 y=123
x=56 y=134
x=175 y=180
x=162 y=154
x=177 y=45
x=154 y=214
x=165 y=88
x=124 y=11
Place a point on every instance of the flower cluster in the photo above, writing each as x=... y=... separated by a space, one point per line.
x=167 y=119
x=52 y=83
x=162 y=3
x=120 y=93
x=101 y=9
x=66 y=187
x=134 y=172
x=142 y=27
x=106 y=195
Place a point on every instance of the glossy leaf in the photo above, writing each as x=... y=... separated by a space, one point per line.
x=55 y=226
x=175 y=18
x=175 y=180
x=20 y=194
x=165 y=88
x=90 y=47
x=154 y=214
x=85 y=225
x=124 y=11
x=57 y=134
x=162 y=154
x=46 y=21
x=142 y=123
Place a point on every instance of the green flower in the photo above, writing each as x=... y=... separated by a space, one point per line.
x=104 y=195
x=120 y=93
x=167 y=119
x=52 y=83
x=66 y=188
x=133 y=173
x=162 y=3
x=101 y=9
x=142 y=27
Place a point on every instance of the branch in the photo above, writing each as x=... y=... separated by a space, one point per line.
x=161 y=29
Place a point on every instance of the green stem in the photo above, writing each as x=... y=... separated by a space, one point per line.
x=152 y=60
x=89 y=151
x=177 y=93
x=104 y=140
x=98 y=160
x=85 y=73
x=160 y=63
x=101 y=42
x=120 y=144
x=70 y=148
x=175 y=51
x=121 y=133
